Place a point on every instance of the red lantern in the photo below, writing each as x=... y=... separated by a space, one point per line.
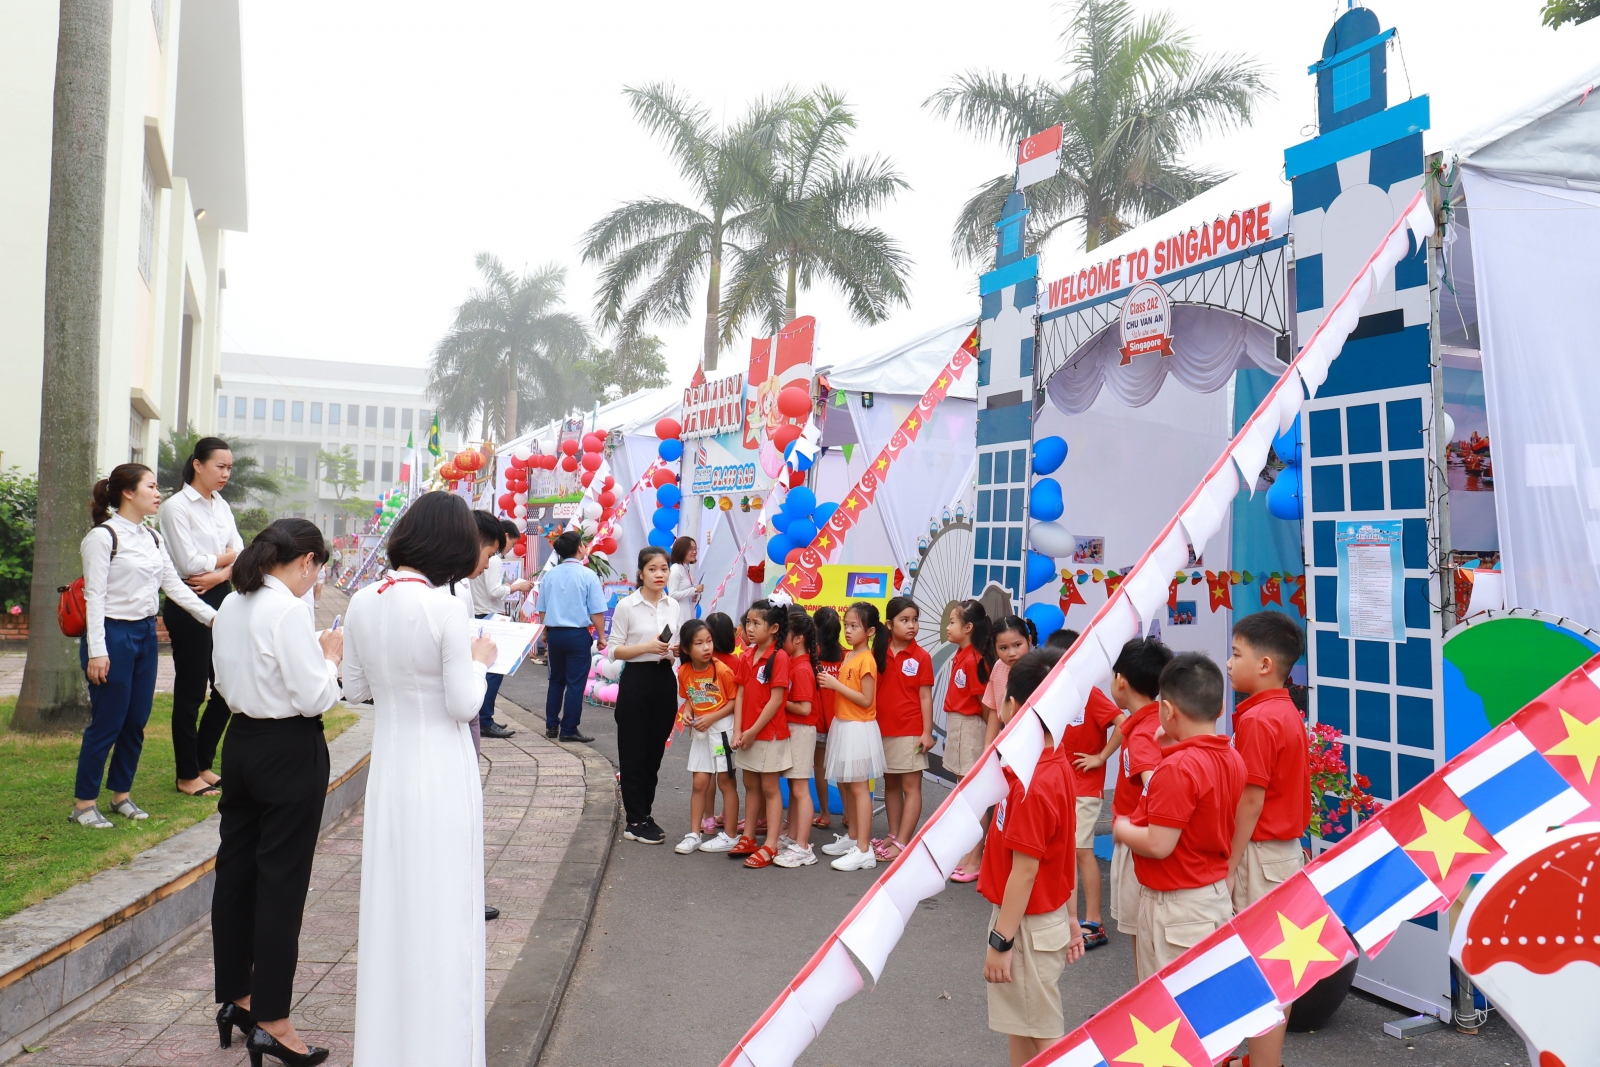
x=569 y=463
x=570 y=447
x=668 y=428
x=585 y=478
x=794 y=401
x=521 y=548
x=607 y=499
x=783 y=435
x=447 y=471
x=591 y=461
x=468 y=460
x=663 y=477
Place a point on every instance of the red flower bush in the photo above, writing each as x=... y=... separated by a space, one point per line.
x=1333 y=793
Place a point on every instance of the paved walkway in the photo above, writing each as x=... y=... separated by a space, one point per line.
x=533 y=799
x=11 y=671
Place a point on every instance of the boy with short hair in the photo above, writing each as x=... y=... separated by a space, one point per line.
x=1275 y=807
x=1181 y=835
x=1027 y=874
x=1135 y=681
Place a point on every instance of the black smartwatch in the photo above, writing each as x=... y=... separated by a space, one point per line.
x=1000 y=944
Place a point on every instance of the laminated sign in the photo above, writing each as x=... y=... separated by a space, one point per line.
x=1146 y=322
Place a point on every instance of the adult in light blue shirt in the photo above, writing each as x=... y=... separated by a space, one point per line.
x=570 y=601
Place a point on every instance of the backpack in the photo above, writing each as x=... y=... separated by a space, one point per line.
x=72 y=612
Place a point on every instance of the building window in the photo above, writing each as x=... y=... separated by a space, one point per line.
x=261 y=408
x=297 y=411
x=316 y=414
x=147 y=223
x=388 y=418
x=369 y=464
x=372 y=418
x=222 y=406
x=388 y=464
x=301 y=466
x=136 y=431
x=277 y=411
x=333 y=414
x=425 y=418
x=239 y=404
x=405 y=418
x=1352 y=82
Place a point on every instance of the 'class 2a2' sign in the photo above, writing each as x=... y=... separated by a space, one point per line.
x=1146 y=322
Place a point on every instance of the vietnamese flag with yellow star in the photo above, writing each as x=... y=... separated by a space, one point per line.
x=1441 y=836
x=1564 y=725
x=1146 y=1028
x=1294 y=937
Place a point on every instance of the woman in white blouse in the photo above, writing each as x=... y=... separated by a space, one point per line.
x=124 y=567
x=681 y=585
x=278 y=676
x=644 y=627
x=203 y=541
x=409 y=646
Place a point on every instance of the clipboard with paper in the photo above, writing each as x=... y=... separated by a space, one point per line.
x=513 y=641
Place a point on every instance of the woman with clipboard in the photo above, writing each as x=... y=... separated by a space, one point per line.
x=643 y=628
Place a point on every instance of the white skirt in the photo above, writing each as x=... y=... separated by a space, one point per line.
x=855 y=751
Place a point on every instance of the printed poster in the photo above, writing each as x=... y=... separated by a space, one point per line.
x=723 y=466
x=1372 y=580
x=845 y=583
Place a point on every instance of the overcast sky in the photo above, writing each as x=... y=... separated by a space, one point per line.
x=388 y=144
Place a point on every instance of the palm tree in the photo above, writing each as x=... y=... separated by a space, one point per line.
x=629 y=366
x=656 y=251
x=1136 y=97
x=807 y=215
x=508 y=337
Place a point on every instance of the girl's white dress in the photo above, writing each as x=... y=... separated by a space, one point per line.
x=419 y=981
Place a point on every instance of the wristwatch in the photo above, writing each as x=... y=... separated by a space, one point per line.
x=1000 y=944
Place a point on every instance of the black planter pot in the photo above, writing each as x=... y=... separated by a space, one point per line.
x=1312 y=1011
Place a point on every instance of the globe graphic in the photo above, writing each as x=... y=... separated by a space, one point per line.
x=1494 y=666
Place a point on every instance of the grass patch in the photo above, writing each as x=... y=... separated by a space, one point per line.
x=41 y=853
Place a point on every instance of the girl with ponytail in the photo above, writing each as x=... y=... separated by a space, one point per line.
x=967 y=627
x=125 y=566
x=855 y=748
x=905 y=717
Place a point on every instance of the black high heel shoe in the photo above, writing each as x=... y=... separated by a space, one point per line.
x=260 y=1043
x=229 y=1016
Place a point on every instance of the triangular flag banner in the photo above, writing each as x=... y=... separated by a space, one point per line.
x=848 y=451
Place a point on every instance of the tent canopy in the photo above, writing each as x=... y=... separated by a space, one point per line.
x=906 y=367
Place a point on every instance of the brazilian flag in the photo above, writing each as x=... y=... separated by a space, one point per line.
x=433 y=439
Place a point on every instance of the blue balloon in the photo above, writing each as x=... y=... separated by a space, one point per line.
x=778 y=548
x=670 y=450
x=1041 y=570
x=797 y=461
x=1048 y=454
x=668 y=496
x=1284 y=497
x=824 y=512
x=1044 y=502
x=1288 y=445
x=780 y=520
x=1047 y=617
x=800 y=502
x=802 y=532
x=665 y=519
x=661 y=538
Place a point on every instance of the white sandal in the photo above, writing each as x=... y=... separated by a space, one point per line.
x=91 y=818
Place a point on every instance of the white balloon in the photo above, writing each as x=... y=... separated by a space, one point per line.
x=1051 y=539
x=591 y=508
x=520 y=511
x=611 y=669
x=588 y=526
x=520 y=523
x=519 y=498
x=1449 y=428
x=522 y=455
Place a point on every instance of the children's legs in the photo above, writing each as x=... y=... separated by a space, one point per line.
x=893 y=802
x=911 y=813
x=1267 y=1050
x=697 y=800
x=859 y=804
x=730 y=803
x=774 y=797
x=752 y=803
x=820 y=777
x=800 y=811
x=1089 y=879
x=1024 y=1049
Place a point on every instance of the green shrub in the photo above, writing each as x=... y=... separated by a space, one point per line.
x=19 y=503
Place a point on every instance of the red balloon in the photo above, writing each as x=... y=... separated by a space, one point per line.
x=668 y=428
x=521 y=549
x=593 y=442
x=794 y=401
x=608 y=514
x=797 y=479
x=609 y=482
x=793 y=556
x=607 y=546
x=507 y=502
x=607 y=499
x=569 y=463
x=585 y=478
x=570 y=447
x=550 y=461
x=783 y=435
x=591 y=461
x=663 y=477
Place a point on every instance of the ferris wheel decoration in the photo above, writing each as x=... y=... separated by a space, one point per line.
x=941 y=575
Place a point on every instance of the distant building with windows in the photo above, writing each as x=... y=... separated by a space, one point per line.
x=287 y=410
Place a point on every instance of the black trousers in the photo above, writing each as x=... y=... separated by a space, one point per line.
x=647 y=705
x=274 y=781
x=194 y=750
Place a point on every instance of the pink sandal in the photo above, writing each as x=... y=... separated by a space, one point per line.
x=961 y=874
x=882 y=845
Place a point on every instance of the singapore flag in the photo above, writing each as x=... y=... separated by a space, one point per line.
x=1039 y=157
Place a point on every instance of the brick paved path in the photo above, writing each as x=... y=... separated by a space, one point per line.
x=532 y=799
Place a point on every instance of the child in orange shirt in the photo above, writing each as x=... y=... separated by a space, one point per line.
x=1275 y=808
x=855 y=748
x=710 y=710
x=726 y=642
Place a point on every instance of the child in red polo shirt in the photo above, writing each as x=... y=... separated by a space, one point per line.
x=968 y=629
x=1135 y=680
x=1027 y=875
x=763 y=741
x=1183 y=831
x=1275 y=808
x=905 y=719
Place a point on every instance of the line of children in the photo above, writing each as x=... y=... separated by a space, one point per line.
x=709 y=688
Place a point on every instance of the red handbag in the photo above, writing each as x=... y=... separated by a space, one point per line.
x=72 y=613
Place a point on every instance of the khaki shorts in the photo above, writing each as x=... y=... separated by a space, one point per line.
x=1124 y=890
x=768 y=757
x=901 y=755
x=1030 y=1004
x=802 y=751
x=1088 y=815
x=1264 y=866
x=963 y=742
x=1172 y=922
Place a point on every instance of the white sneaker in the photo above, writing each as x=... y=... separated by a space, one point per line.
x=795 y=856
x=721 y=843
x=785 y=841
x=856 y=860
x=842 y=843
x=690 y=843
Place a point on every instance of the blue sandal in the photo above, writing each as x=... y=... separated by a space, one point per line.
x=1093 y=935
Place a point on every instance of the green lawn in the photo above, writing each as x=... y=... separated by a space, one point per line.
x=40 y=852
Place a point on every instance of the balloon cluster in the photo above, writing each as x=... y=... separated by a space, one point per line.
x=388 y=508
x=797 y=523
x=794 y=404
x=599 y=688
x=669 y=497
x=1285 y=497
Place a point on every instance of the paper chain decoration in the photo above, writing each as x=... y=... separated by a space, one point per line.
x=802 y=577
x=1367 y=882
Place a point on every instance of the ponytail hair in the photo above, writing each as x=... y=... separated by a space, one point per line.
x=202 y=452
x=878 y=634
x=800 y=624
x=721 y=626
x=773 y=615
x=1017 y=624
x=975 y=616
x=829 y=627
x=282 y=542
x=108 y=491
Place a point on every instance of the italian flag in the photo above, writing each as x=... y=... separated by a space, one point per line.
x=409 y=459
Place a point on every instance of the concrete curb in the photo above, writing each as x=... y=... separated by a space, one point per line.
x=525 y=1010
x=65 y=954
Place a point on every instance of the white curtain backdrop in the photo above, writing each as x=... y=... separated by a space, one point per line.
x=1208 y=345
x=1533 y=256
x=932 y=474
